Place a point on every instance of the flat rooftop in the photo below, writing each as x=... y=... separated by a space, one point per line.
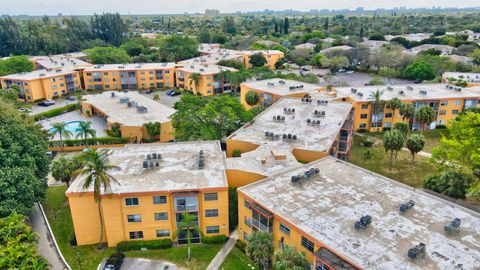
x=178 y=168
x=251 y=52
x=409 y=92
x=73 y=54
x=262 y=160
x=469 y=77
x=309 y=137
x=327 y=205
x=282 y=87
x=204 y=69
x=38 y=74
x=214 y=49
x=213 y=58
x=126 y=67
x=342 y=48
x=129 y=116
x=62 y=62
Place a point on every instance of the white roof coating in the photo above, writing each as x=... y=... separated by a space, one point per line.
x=305 y=46
x=251 y=52
x=314 y=138
x=38 y=74
x=204 y=69
x=129 y=116
x=207 y=49
x=177 y=170
x=61 y=62
x=409 y=92
x=469 y=77
x=281 y=87
x=262 y=161
x=73 y=54
x=213 y=58
x=343 y=48
x=445 y=49
x=126 y=67
x=326 y=207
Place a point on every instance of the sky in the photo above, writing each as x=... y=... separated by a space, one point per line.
x=87 y=7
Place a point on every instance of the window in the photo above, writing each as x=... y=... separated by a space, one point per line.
x=134 y=218
x=248 y=221
x=131 y=201
x=387 y=124
x=284 y=228
x=444 y=103
x=363 y=116
x=213 y=229
x=457 y=102
x=362 y=126
x=388 y=115
x=307 y=244
x=364 y=106
x=163 y=233
x=442 y=112
x=159 y=199
x=161 y=216
x=210 y=196
x=454 y=111
x=211 y=213
x=136 y=235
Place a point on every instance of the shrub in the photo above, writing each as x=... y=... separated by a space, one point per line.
x=252 y=98
x=453 y=184
x=56 y=111
x=240 y=245
x=90 y=141
x=403 y=127
x=441 y=127
x=368 y=142
x=368 y=154
x=212 y=240
x=236 y=153
x=149 y=245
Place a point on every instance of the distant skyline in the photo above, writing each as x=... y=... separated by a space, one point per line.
x=87 y=7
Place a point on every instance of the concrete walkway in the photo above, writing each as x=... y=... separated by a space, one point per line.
x=421 y=153
x=45 y=244
x=223 y=253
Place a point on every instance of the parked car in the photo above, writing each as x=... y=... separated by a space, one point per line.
x=176 y=93
x=24 y=110
x=341 y=70
x=46 y=102
x=114 y=262
x=149 y=91
x=51 y=154
x=350 y=72
x=170 y=92
x=72 y=98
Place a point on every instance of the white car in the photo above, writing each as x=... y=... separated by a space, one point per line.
x=350 y=72
x=49 y=102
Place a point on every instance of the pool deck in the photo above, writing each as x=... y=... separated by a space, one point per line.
x=98 y=123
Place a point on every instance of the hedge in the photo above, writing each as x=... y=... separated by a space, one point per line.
x=212 y=240
x=56 y=111
x=90 y=141
x=142 y=244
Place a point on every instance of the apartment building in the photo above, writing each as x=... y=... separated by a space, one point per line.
x=309 y=128
x=209 y=48
x=129 y=76
x=345 y=217
x=272 y=57
x=270 y=91
x=211 y=82
x=212 y=59
x=131 y=111
x=43 y=84
x=472 y=79
x=157 y=183
x=446 y=100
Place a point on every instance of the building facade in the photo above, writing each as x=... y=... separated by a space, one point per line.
x=210 y=81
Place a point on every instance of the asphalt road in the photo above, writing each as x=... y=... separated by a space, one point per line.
x=144 y=264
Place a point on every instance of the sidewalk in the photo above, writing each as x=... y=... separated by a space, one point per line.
x=421 y=153
x=223 y=253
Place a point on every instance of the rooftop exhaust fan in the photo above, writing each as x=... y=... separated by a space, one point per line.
x=453 y=227
x=405 y=206
x=363 y=223
x=417 y=251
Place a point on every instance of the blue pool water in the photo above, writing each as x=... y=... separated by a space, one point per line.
x=71 y=126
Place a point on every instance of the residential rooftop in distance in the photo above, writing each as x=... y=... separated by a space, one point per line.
x=282 y=87
x=72 y=54
x=213 y=48
x=211 y=59
x=55 y=62
x=178 y=168
x=327 y=205
x=466 y=76
x=410 y=92
x=309 y=137
x=140 y=66
x=130 y=116
x=342 y=48
x=38 y=74
x=251 y=52
x=204 y=69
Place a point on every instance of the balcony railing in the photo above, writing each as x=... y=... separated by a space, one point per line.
x=261 y=227
x=186 y=207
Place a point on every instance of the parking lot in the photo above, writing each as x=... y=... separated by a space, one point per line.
x=164 y=98
x=144 y=264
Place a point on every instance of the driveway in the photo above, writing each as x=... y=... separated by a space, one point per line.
x=144 y=264
x=58 y=103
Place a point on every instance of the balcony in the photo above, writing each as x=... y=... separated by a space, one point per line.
x=186 y=208
x=262 y=227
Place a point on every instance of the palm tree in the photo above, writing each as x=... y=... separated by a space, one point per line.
x=84 y=130
x=424 y=116
x=393 y=141
x=290 y=259
x=394 y=104
x=260 y=248
x=60 y=128
x=195 y=80
x=377 y=103
x=96 y=169
x=188 y=224
x=156 y=97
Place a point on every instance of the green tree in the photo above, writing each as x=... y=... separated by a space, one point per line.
x=286 y=26
x=319 y=60
x=389 y=73
x=257 y=60
x=204 y=35
x=195 y=79
x=153 y=129
x=451 y=183
x=23 y=163
x=260 y=248
x=394 y=104
x=475 y=55
x=419 y=71
x=231 y=63
x=189 y=225
x=109 y=27
x=84 y=130
x=393 y=141
x=96 y=171
x=338 y=62
x=10 y=94
x=377 y=103
x=60 y=128
x=403 y=127
x=133 y=47
x=252 y=98
x=63 y=168
x=177 y=48
x=107 y=55
x=15 y=64
x=424 y=116
x=288 y=258
x=415 y=144
x=407 y=111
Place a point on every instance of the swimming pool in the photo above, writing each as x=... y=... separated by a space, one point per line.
x=70 y=126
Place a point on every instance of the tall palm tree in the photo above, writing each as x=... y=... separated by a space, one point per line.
x=195 y=80
x=84 y=130
x=189 y=224
x=290 y=259
x=407 y=111
x=394 y=104
x=377 y=102
x=60 y=128
x=260 y=248
x=96 y=169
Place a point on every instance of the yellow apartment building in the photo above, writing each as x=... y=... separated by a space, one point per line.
x=211 y=82
x=270 y=91
x=321 y=210
x=446 y=100
x=131 y=111
x=129 y=76
x=43 y=84
x=157 y=184
x=272 y=57
x=309 y=128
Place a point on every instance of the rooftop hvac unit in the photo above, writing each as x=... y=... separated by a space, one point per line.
x=202 y=70
x=112 y=94
x=124 y=100
x=401 y=93
x=363 y=223
x=142 y=109
x=270 y=84
x=417 y=251
x=405 y=206
x=423 y=92
x=322 y=102
x=409 y=87
x=360 y=94
x=458 y=89
x=453 y=227
x=281 y=82
x=145 y=164
x=390 y=88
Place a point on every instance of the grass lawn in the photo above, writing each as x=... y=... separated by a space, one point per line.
x=87 y=257
x=237 y=260
x=432 y=138
x=403 y=169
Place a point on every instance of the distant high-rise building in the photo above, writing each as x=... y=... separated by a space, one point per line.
x=212 y=12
